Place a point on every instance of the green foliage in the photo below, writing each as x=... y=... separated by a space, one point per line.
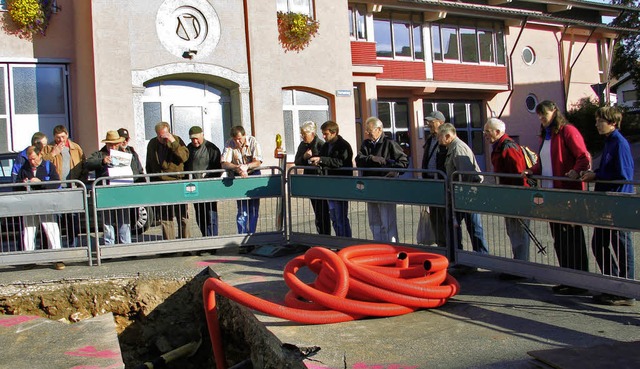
x=583 y=115
x=296 y=30
x=627 y=50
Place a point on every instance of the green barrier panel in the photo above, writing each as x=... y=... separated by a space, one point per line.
x=401 y=191
x=171 y=192
x=582 y=207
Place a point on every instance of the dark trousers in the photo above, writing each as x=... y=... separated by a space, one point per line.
x=207 y=218
x=166 y=215
x=438 y=219
x=614 y=252
x=323 y=220
x=570 y=246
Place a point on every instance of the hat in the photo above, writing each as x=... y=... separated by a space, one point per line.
x=123 y=133
x=194 y=131
x=113 y=138
x=435 y=115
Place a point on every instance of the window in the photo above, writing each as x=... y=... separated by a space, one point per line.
x=528 y=55
x=398 y=35
x=531 y=102
x=468 y=43
x=296 y=6
x=3 y=6
x=297 y=108
x=629 y=95
x=357 y=23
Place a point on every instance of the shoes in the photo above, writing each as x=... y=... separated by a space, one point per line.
x=613 y=300
x=568 y=290
x=510 y=277
x=59 y=265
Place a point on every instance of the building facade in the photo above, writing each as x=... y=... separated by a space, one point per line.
x=107 y=64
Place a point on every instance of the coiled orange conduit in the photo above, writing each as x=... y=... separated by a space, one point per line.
x=356 y=282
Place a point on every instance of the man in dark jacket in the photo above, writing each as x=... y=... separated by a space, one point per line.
x=167 y=153
x=204 y=155
x=136 y=164
x=309 y=147
x=36 y=171
x=336 y=153
x=378 y=151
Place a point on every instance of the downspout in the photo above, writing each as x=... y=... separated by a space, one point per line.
x=568 y=83
x=524 y=25
x=248 y=50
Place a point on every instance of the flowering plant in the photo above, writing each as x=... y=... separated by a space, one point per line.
x=30 y=17
x=295 y=30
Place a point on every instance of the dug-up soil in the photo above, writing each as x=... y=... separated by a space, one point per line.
x=152 y=316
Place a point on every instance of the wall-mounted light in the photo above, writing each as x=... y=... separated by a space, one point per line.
x=189 y=54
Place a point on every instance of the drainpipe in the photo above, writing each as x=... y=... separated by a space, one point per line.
x=248 y=50
x=524 y=25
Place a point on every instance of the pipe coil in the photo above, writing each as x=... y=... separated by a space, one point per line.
x=372 y=280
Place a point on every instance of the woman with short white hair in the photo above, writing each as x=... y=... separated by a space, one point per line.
x=308 y=148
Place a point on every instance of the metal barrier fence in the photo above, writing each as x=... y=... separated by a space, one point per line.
x=44 y=225
x=205 y=212
x=576 y=212
x=414 y=198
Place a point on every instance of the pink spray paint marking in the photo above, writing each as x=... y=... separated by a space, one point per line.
x=362 y=365
x=15 y=320
x=113 y=366
x=90 y=351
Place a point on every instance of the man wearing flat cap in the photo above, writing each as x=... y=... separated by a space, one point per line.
x=204 y=155
x=433 y=158
x=100 y=162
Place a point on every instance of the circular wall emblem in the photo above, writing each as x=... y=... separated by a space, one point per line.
x=188 y=29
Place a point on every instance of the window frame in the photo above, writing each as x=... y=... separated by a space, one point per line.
x=438 y=30
x=358 y=22
x=290 y=5
x=294 y=109
x=414 y=25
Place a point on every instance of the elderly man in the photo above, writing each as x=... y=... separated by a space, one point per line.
x=336 y=153
x=433 y=159
x=136 y=164
x=68 y=158
x=204 y=155
x=242 y=155
x=309 y=147
x=100 y=162
x=378 y=151
x=167 y=153
x=460 y=157
x=507 y=157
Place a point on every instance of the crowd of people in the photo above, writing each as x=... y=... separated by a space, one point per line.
x=562 y=156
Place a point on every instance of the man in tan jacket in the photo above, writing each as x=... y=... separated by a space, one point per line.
x=68 y=158
x=167 y=153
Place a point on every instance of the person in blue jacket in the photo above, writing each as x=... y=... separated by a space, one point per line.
x=38 y=140
x=613 y=249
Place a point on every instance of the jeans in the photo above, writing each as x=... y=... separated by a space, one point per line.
x=383 y=222
x=614 y=252
x=122 y=220
x=207 y=218
x=570 y=246
x=473 y=223
x=247 y=217
x=518 y=236
x=339 y=214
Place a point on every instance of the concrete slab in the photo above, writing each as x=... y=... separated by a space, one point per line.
x=491 y=324
x=32 y=342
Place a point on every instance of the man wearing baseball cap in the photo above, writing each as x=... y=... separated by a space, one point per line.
x=136 y=164
x=204 y=155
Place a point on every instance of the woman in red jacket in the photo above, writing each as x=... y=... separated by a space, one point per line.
x=563 y=153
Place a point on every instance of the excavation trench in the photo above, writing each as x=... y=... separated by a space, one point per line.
x=152 y=316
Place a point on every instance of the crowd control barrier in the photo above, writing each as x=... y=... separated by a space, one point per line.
x=44 y=225
x=114 y=200
x=411 y=195
x=538 y=207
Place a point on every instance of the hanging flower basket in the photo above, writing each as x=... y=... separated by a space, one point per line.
x=296 y=30
x=29 y=17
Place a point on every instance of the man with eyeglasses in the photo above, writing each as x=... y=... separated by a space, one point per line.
x=378 y=151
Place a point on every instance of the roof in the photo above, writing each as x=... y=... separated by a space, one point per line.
x=512 y=12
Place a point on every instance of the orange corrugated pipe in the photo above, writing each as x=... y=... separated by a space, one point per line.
x=356 y=282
